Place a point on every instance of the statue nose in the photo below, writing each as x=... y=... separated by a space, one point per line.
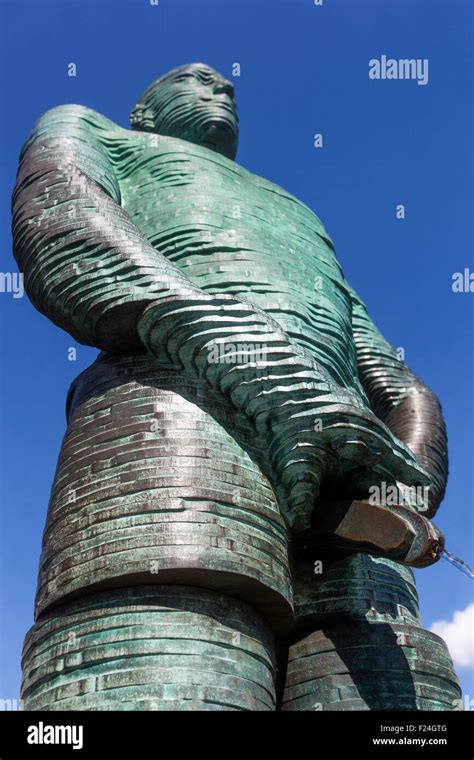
x=224 y=88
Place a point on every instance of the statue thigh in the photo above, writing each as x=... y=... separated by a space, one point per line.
x=359 y=641
x=164 y=574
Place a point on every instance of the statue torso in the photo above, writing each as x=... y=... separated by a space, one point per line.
x=234 y=232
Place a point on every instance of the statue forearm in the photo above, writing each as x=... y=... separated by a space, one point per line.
x=402 y=401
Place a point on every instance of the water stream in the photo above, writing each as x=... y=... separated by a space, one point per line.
x=462 y=566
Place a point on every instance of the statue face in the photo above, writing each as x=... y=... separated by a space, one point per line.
x=194 y=103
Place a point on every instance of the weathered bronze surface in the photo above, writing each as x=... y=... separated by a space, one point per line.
x=243 y=397
x=370 y=667
x=354 y=587
x=150 y=648
x=150 y=487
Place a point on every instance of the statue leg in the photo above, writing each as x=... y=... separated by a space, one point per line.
x=150 y=648
x=360 y=644
x=164 y=572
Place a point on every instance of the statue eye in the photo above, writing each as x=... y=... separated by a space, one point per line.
x=202 y=77
x=181 y=77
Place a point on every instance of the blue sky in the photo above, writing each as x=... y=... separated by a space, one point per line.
x=304 y=70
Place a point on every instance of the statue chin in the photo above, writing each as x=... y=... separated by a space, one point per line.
x=220 y=146
x=221 y=139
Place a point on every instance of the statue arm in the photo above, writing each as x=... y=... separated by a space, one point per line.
x=90 y=270
x=401 y=400
x=86 y=266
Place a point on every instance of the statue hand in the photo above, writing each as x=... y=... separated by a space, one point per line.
x=307 y=427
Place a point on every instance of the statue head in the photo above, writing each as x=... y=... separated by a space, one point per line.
x=194 y=103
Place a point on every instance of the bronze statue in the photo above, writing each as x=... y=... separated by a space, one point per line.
x=210 y=540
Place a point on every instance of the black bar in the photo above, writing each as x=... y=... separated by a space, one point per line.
x=318 y=735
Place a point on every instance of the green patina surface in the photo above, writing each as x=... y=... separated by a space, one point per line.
x=240 y=374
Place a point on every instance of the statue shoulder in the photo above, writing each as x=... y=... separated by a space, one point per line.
x=78 y=135
x=69 y=121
